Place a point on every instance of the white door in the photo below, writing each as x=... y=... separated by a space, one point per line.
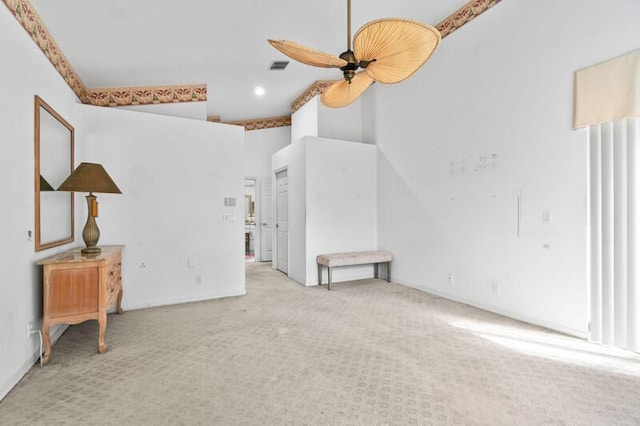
x=282 y=221
x=266 y=220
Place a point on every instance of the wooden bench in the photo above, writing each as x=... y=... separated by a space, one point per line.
x=332 y=260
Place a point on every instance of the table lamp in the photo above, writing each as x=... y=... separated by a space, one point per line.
x=90 y=177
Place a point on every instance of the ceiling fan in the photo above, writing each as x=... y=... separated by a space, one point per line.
x=386 y=50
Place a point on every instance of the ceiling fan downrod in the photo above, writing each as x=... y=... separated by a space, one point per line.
x=353 y=64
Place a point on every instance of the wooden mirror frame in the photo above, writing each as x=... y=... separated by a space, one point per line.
x=59 y=169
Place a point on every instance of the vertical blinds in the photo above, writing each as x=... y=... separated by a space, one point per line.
x=615 y=232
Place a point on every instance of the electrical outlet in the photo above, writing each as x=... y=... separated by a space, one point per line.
x=450 y=278
x=198 y=279
x=496 y=288
x=30 y=329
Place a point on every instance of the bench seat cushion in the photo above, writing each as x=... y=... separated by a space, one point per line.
x=353 y=258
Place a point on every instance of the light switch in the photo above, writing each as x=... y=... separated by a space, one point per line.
x=229 y=217
x=230 y=201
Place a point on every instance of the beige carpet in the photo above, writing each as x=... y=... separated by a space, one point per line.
x=367 y=352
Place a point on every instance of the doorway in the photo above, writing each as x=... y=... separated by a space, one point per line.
x=250 y=219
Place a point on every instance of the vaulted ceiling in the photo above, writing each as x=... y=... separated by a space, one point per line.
x=223 y=45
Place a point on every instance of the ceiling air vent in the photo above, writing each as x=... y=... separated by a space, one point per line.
x=279 y=65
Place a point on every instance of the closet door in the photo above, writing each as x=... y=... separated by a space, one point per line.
x=266 y=220
x=282 y=221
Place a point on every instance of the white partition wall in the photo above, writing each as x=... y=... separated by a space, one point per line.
x=183 y=243
x=315 y=119
x=332 y=203
x=341 y=203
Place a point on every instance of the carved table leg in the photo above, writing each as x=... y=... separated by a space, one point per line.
x=120 y=301
x=47 y=344
x=102 y=320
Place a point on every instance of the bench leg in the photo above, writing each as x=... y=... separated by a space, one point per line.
x=319 y=274
x=388 y=272
x=375 y=270
x=329 y=273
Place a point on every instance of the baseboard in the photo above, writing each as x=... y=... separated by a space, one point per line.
x=179 y=301
x=9 y=384
x=582 y=334
x=345 y=274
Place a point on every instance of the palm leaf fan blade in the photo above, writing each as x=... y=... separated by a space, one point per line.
x=306 y=55
x=342 y=93
x=398 y=46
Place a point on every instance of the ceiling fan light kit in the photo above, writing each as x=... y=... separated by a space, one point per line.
x=386 y=51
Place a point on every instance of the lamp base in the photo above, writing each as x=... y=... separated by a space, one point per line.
x=91 y=233
x=91 y=250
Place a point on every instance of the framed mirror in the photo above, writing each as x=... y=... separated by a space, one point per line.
x=54 y=149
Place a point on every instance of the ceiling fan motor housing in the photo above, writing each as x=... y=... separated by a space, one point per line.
x=349 y=70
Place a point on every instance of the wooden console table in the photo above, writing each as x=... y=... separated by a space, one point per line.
x=79 y=287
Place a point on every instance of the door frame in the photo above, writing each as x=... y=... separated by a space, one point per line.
x=256 y=216
x=259 y=193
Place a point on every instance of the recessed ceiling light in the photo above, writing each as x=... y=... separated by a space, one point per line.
x=259 y=91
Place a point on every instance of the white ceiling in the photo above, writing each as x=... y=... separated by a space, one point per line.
x=223 y=44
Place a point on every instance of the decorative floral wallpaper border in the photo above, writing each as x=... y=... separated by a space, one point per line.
x=457 y=19
x=464 y=15
x=27 y=16
x=315 y=89
x=263 y=123
x=123 y=96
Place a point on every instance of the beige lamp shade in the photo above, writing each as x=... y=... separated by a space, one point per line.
x=307 y=55
x=89 y=177
x=341 y=93
x=44 y=185
x=399 y=46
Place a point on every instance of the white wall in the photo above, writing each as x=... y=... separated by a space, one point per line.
x=501 y=85
x=341 y=204
x=304 y=122
x=315 y=119
x=174 y=174
x=260 y=145
x=332 y=203
x=25 y=72
x=195 y=110
x=341 y=123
